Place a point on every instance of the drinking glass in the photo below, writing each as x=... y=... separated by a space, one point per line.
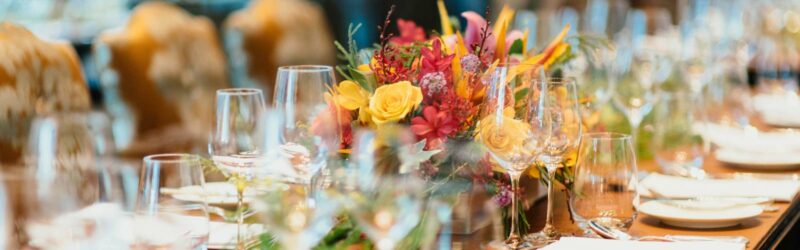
x=60 y=142
x=558 y=118
x=509 y=131
x=61 y=211
x=171 y=211
x=384 y=202
x=605 y=180
x=638 y=69
x=640 y=76
x=311 y=129
x=235 y=146
x=677 y=145
x=390 y=210
x=594 y=72
x=297 y=220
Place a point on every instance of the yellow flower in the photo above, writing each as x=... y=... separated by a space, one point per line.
x=364 y=68
x=392 y=102
x=502 y=135
x=351 y=96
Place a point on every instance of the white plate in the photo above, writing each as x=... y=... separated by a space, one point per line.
x=220 y=193
x=223 y=235
x=697 y=216
x=763 y=161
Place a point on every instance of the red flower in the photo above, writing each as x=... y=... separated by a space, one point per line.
x=433 y=125
x=409 y=33
x=434 y=60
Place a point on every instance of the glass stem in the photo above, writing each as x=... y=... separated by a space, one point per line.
x=513 y=236
x=240 y=218
x=635 y=131
x=548 y=230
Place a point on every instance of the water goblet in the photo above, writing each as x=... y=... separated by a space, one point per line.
x=171 y=210
x=604 y=190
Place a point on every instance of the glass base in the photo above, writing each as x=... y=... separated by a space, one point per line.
x=506 y=245
x=542 y=238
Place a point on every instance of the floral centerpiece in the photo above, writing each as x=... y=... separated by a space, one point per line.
x=434 y=84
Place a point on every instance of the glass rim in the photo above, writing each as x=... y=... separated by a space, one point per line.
x=606 y=136
x=306 y=68
x=171 y=158
x=557 y=80
x=239 y=91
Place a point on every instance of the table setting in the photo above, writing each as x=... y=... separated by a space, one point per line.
x=487 y=132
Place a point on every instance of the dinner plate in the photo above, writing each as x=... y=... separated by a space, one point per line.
x=220 y=193
x=223 y=235
x=699 y=214
x=761 y=161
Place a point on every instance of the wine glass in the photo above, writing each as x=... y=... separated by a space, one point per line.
x=297 y=220
x=594 y=72
x=639 y=68
x=234 y=146
x=171 y=211
x=677 y=145
x=60 y=142
x=508 y=131
x=62 y=211
x=384 y=202
x=311 y=128
x=558 y=119
x=639 y=74
x=605 y=180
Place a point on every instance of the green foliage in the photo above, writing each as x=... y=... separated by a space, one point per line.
x=349 y=55
x=516 y=47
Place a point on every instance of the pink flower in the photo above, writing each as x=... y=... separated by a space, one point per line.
x=433 y=125
x=503 y=196
x=409 y=33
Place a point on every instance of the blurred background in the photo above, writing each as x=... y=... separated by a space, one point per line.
x=151 y=67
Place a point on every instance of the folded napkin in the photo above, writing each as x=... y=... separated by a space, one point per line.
x=750 y=140
x=779 y=109
x=681 y=187
x=573 y=243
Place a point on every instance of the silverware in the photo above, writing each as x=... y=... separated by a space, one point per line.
x=616 y=234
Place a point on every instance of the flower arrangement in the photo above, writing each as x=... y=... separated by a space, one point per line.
x=435 y=84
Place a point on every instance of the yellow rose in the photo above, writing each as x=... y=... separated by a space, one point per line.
x=392 y=102
x=351 y=96
x=503 y=137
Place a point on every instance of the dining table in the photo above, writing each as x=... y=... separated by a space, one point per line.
x=771 y=230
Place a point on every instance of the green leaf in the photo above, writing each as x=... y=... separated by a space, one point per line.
x=521 y=94
x=516 y=47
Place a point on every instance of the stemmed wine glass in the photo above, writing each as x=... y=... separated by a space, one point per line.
x=171 y=210
x=558 y=118
x=310 y=124
x=508 y=131
x=676 y=143
x=385 y=203
x=298 y=220
x=594 y=71
x=638 y=69
x=235 y=145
